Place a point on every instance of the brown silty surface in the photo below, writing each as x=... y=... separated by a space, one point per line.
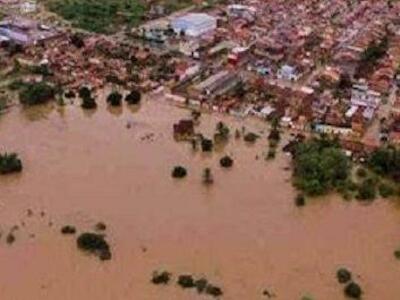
x=244 y=233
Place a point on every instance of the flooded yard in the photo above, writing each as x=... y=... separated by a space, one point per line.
x=244 y=232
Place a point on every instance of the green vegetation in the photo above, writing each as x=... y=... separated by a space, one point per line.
x=386 y=162
x=186 y=281
x=88 y=102
x=179 y=172
x=95 y=244
x=207 y=145
x=10 y=163
x=300 y=200
x=353 y=290
x=251 y=137
x=367 y=190
x=226 y=162
x=320 y=166
x=99 y=15
x=68 y=229
x=369 y=58
x=133 y=97
x=343 y=275
x=207 y=176
x=114 y=99
x=222 y=132
x=161 y=277
x=36 y=93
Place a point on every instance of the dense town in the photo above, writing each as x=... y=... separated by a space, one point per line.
x=322 y=77
x=324 y=66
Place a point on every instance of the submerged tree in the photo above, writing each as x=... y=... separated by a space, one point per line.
x=207 y=176
x=10 y=163
x=133 y=97
x=320 y=166
x=36 y=93
x=114 y=98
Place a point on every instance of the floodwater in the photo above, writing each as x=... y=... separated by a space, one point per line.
x=244 y=233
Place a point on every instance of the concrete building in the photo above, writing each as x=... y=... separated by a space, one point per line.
x=194 y=24
x=362 y=96
x=287 y=72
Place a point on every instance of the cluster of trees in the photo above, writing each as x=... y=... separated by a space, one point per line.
x=386 y=162
x=36 y=93
x=320 y=166
x=10 y=163
x=99 y=15
x=369 y=58
x=88 y=101
x=95 y=244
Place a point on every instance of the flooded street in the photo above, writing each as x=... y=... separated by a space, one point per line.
x=243 y=233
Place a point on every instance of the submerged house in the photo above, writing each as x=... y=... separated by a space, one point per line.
x=184 y=129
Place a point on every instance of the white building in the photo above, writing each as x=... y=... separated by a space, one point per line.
x=194 y=24
x=362 y=96
x=287 y=72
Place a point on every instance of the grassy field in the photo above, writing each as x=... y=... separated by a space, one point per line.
x=105 y=16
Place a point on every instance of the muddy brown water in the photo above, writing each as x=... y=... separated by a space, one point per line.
x=243 y=233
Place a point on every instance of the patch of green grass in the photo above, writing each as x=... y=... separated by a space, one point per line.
x=100 y=16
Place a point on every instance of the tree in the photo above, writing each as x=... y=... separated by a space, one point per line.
x=114 y=99
x=89 y=103
x=95 y=244
x=367 y=190
x=226 y=161
x=179 y=172
x=36 y=93
x=10 y=163
x=320 y=166
x=207 y=176
x=206 y=145
x=84 y=92
x=133 y=97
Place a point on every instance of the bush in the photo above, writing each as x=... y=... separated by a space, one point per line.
x=100 y=226
x=95 y=244
x=206 y=145
x=367 y=190
x=213 y=290
x=320 y=166
x=361 y=172
x=88 y=103
x=226 y=162
x=201 y=285
x=397 y=254
x=271 y=153
x=353 y=290
x=186 y=281
x=343 y=275
x=84 y=92
x=68 y=229
x=250 y=137
x=386 y=162
x=179 y=172
x=161 y=278
x=70 y=94
x=385 y=190
x=114 y=99
x=10 y=163
x=300 y=200
x=36 y=93
x=10 y=238
x=133 y=97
